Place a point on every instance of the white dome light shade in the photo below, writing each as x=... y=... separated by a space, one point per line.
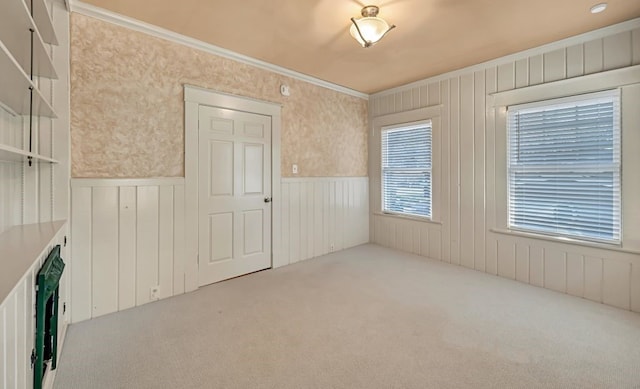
x=372 y=29
x=598 y=8
x=369 y=29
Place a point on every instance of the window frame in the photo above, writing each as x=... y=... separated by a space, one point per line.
x=432 y=113
x=405 y=127
x=627 y=80
x=615 y=167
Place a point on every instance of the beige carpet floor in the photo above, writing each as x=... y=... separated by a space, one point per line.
x=367 y=317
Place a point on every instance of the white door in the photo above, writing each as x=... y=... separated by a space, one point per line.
x=234 y=193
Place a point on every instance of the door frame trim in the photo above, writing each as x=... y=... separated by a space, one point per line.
x=194 y=97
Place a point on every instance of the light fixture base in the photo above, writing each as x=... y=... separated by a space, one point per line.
x=370 y=11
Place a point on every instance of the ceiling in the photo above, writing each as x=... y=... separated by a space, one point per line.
x=432 y=36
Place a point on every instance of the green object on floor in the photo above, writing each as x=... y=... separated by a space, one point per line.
x=47 y=283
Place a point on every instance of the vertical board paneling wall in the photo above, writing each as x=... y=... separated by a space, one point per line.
x=128 y=235
x=321 y=215
x=127 y=238
x=468 y=165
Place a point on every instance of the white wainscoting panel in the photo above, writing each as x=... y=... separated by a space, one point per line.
x=128 y=234
x=412 y=236
x=470 y=172
x=127 y=238
x=597 y=274
x=321 y=215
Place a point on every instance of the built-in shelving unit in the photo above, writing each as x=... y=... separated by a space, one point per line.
x=25 y=31
x=34 y=176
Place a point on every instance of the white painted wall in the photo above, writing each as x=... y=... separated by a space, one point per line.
x=468 y=163
x=129 y=235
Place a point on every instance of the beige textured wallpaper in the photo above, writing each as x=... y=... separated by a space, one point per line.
x=127 y=109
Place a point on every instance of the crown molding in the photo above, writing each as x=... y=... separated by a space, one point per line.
x=159 y=32
x=561 y=44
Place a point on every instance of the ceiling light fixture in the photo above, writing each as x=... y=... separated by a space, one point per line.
x=370 y=28
x=598 y=8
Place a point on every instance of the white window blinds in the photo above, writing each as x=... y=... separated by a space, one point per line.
x=406 y=169
x=564 y=167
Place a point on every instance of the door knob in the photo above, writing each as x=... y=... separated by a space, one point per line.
x=267 y=199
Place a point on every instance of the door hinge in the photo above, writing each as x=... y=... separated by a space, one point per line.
x=65 y=241
x=33 y=358
x=64 y=308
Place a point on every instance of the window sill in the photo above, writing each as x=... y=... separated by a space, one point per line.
x=531 y=235
x=407 y=217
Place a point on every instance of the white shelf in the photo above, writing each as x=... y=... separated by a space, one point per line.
x=21 y=247
x=16 y=37
x=14 y=92
x=12 y=154
x=43 y=21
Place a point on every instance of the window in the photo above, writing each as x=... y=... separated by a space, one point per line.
x=564 y=167
x=406 y=169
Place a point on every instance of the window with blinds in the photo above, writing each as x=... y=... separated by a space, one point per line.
x=406 y=169
x=564 y=167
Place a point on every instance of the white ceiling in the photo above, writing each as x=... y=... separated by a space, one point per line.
x=432 y=36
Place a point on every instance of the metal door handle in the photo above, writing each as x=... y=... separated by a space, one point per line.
x=267 y=199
